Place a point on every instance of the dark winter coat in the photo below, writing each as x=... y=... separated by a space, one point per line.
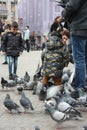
x=54 y=57
x=75 y=11
x=13 y=44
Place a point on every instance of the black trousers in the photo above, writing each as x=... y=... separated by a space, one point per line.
x=27 y=45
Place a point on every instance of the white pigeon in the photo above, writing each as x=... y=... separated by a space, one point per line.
x=66 y=108
x=38 y=87
x=53 y=91
x=55 y=114
x=83 y=99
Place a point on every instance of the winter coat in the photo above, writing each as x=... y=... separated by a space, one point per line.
x=54 y=57
x=75 y=11
x=13 y=44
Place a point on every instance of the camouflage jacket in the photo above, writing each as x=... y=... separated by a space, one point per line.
x=54 y=57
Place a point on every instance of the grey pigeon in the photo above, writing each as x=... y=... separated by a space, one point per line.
x=11 y=84
x=10 y=104
x=65 y=107
x=55 y=114
x=7 y=84
x=19 y=80
x=65 y=78
x=83 y=100
x=20 y=89
x=26 y=77
x=29 y=85
x=3 y=82
x=25 y=102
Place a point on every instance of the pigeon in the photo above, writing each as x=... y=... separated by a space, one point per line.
x=43 y=93
x=29 y=85
x=14 y=76
x=65 y=78
x=66 y=108
x=11 y=84
x=10 y=104
x=83 y=100
x=68 y=89
x=20 y=89
x=52 y=91
x=25 y=102
x=7 y=84
x=19 y=80
x=3 y=82
x=55 y=114
x=37 y=88
x=71 y=101
x=26 y=77
x=37 y=127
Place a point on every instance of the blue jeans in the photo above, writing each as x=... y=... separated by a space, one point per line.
x=5 y=58
x=12 y=64
x=79 y=47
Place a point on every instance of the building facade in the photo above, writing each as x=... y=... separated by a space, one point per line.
x=8 y=9
x=38 y=14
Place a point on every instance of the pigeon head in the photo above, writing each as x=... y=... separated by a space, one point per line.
x=65 y=78
x=51 y=102
x=26 y=73
x=8 y=96
x=23 y=94
x=49 y=108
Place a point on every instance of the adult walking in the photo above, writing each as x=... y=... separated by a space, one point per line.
x=75 y=12
x=26 y=38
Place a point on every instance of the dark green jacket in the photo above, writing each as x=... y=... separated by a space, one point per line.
x=54 y=57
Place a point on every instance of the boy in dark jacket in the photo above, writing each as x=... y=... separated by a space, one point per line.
x=13 y=47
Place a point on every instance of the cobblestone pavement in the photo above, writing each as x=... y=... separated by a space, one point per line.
x=28 y=62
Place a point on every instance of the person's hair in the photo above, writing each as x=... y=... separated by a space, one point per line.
x=66 y=32
x=15 y=24
x=55 y=20
x=27 y=26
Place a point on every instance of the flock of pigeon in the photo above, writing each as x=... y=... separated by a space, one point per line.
x=58 y=100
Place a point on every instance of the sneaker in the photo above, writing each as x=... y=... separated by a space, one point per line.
x=4 y=63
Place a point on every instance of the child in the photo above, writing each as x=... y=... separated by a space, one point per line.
x=13 y=47
x=54 y=59
x=66 y=41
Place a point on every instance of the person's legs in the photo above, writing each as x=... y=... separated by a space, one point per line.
x=10 y=62
x=78 y=46
x=15 y=64
x=86 y=56
x=5 y=62
x=28 y=45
